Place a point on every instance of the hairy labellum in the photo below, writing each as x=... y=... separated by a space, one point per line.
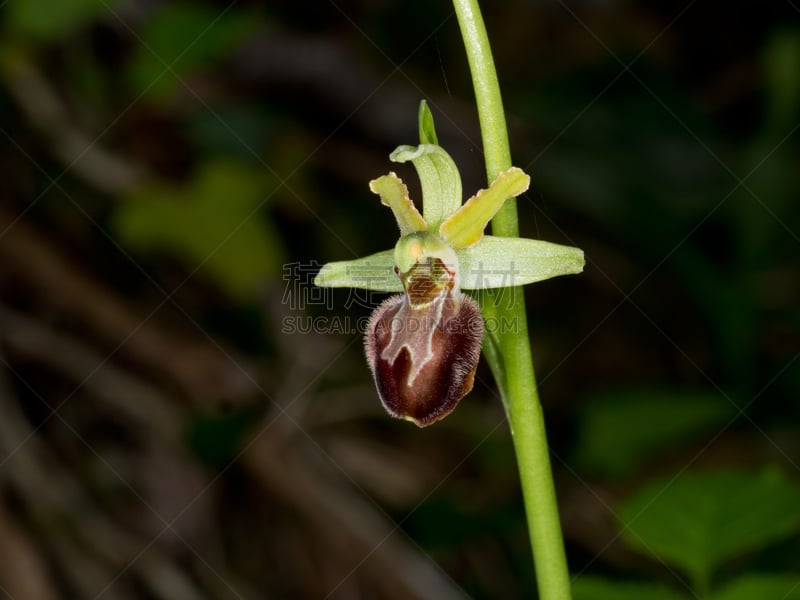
x=423 y=346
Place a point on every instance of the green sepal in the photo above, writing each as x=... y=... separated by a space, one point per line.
x=427 y=130
x=465 y=227
x=374 y=272
x=439 y=178
x=496 y=262
x=394 y=194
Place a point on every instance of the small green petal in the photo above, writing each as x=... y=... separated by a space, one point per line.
x=394 y=194
x=427 y=130
x=465 y=227
x=497 y=262
x=440 y=180
x=374 y=272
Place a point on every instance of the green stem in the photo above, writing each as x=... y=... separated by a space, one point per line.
x=510 y=356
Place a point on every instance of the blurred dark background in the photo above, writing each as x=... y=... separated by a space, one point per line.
x=182 y=415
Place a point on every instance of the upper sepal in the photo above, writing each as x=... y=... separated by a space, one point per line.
x=439 y=178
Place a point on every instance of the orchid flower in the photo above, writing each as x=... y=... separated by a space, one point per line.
x=423 y=345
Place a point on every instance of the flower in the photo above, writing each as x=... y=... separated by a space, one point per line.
x=423 y=346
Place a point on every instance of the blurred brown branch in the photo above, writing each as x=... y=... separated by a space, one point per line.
x=202 y=371
x=78 y=150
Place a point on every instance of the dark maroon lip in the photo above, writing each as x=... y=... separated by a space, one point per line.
x=424 y=357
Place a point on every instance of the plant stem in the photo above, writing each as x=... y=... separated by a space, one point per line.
x=510 y=360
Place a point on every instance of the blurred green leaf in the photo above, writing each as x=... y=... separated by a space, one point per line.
x=748 y=587
x=216 y=438
x=782 y=74
x=184 y=38
x=598 y=588
x=698 y=520
x=212 y=223
x=447 y=520
x=236 y=131
x=619 y=161
x=620 y=430
x=48 y=20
